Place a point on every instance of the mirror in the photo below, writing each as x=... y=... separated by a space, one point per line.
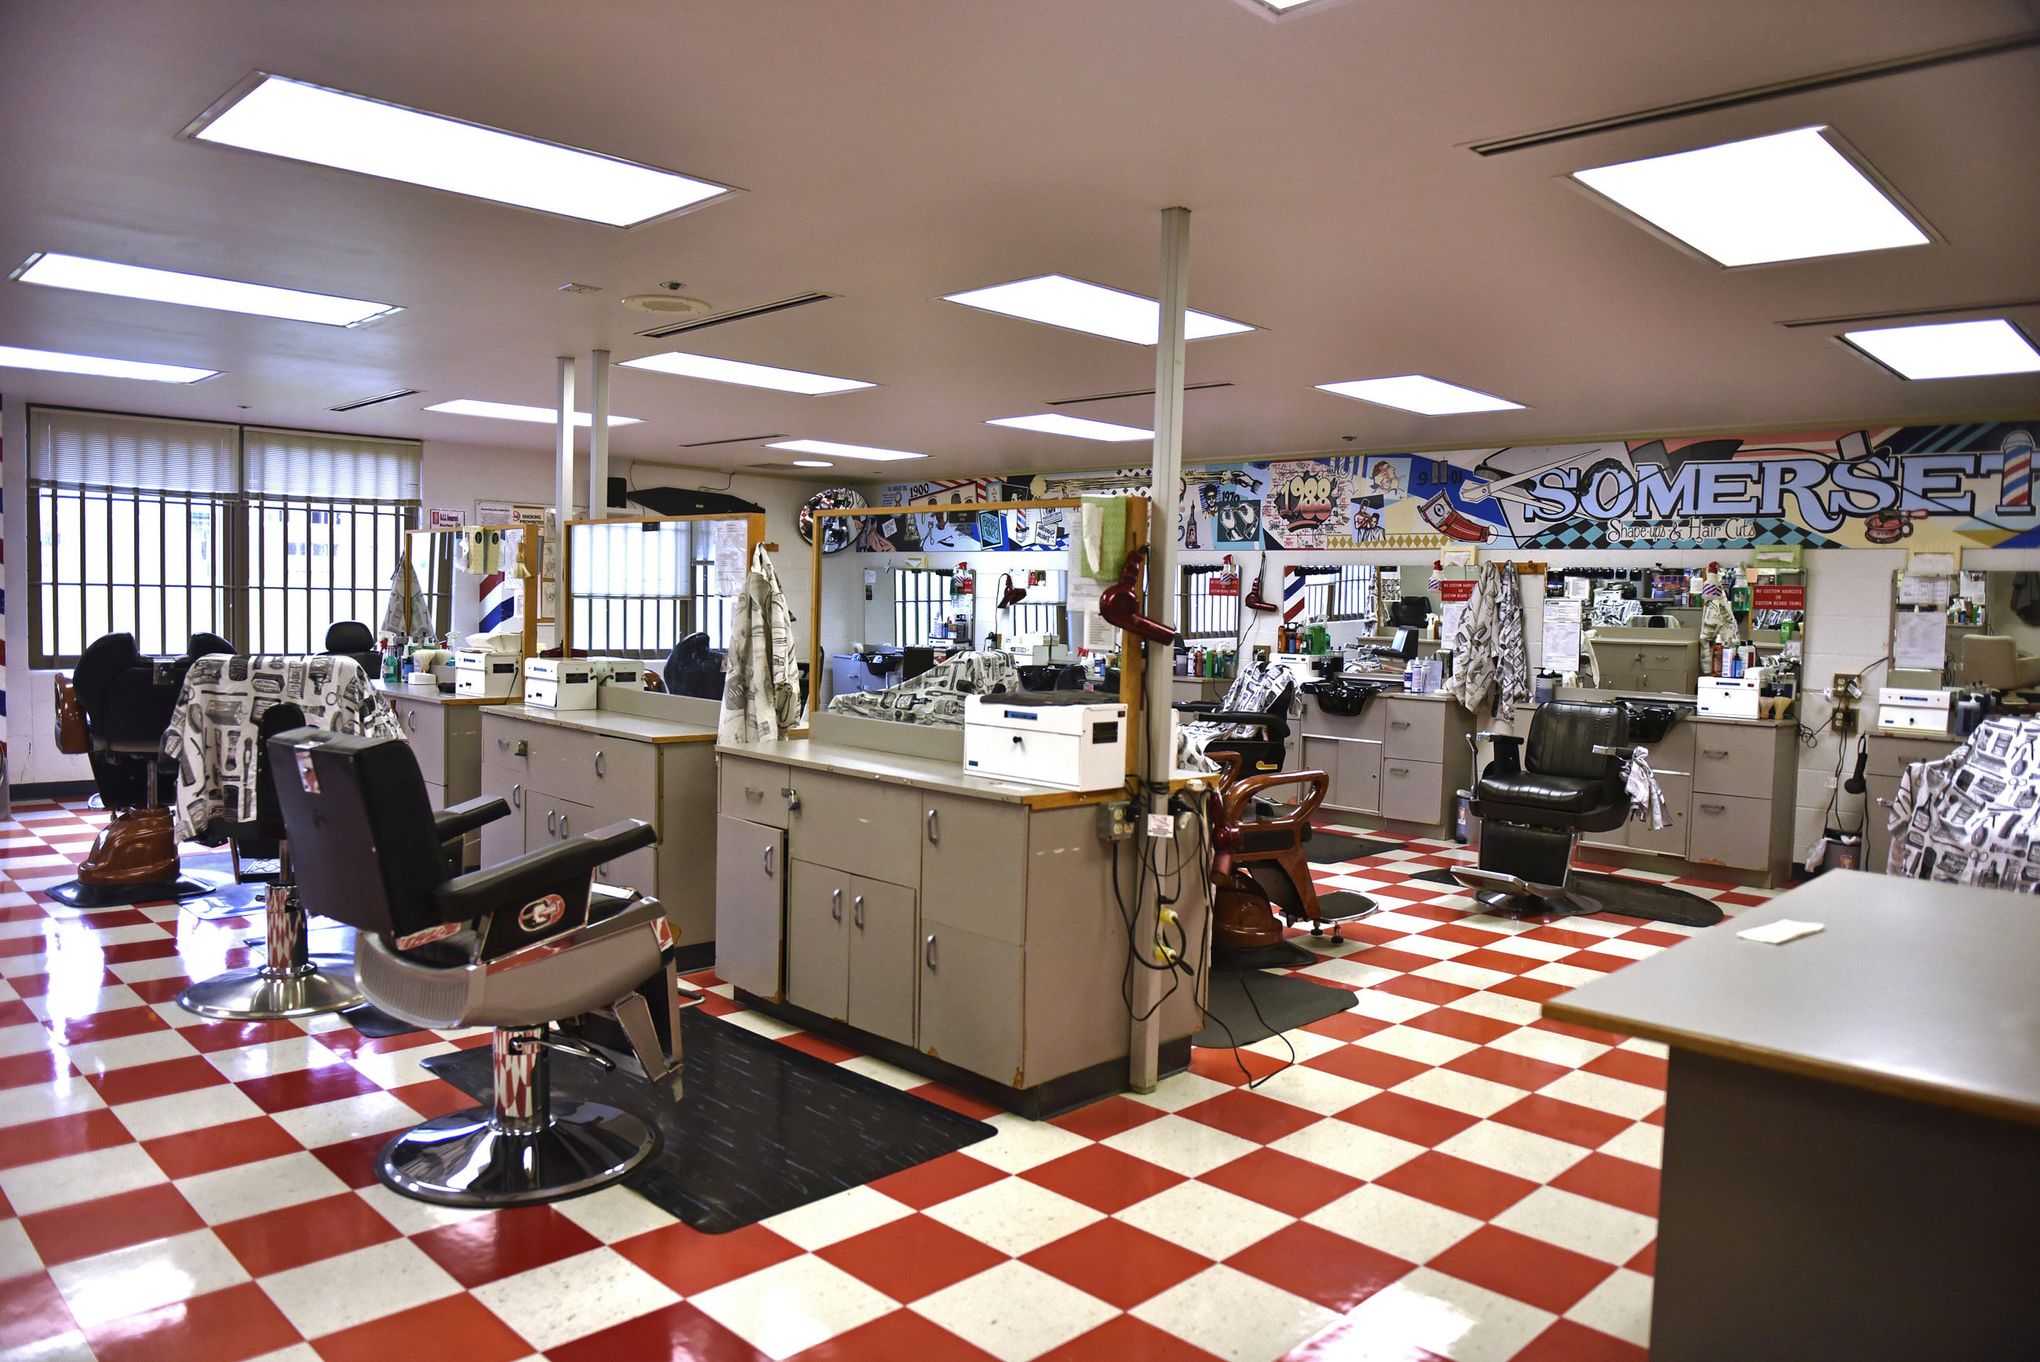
x=1972 y=629
x=640 y=587
x=1640 y=626
x=469 y=580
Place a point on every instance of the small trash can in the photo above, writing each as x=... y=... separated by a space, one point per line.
x=1465 y=827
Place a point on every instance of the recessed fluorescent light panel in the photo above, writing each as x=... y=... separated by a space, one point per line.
x=1057 y=300
x=1949 y=349
x=812 y=463
x=506 y=411
x=349 y=132
x=1284 y=6
x=1788 y=196
x=1424 y=396
x=1050 y=424
x=749 y=375
x=197 y=290
x=58 y=362
x=845 y=451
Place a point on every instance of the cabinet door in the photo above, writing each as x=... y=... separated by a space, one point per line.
x=1670 y=840
x=1359 y=776
x=818 y=939
x=1732 y=759
x=882 y=959
x=503 y=840
x=973 y=864
x=750 y=874
x=1878 y=793
x=548 y=819
x=1412 y=791
x=971 y=1001
x=863 y=826
x=1322 y=754
x=1729 y=830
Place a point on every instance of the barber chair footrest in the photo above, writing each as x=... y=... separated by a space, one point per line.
x=260 y=994
x=466 y=1159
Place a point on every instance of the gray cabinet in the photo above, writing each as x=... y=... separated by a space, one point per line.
x=818 y=940
x=750 y=879
x=850 y=949
x=1400 y=758
x=971 y=1001
x=1889 y=755
x=974 y=865
x=1731 y=830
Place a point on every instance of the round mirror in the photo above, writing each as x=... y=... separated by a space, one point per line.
x=837 y=531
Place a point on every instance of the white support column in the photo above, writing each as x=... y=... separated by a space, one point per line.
x=598 y=436
x=1144 y=1053
x=563 y=468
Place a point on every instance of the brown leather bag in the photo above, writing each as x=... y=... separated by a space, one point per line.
x=72 y=740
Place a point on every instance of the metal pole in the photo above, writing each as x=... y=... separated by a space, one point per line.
x=563 y=448
x=598 y=437
x=1144 y=1052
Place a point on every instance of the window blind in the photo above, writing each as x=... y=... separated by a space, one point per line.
x=299 y=463
x=104 y=449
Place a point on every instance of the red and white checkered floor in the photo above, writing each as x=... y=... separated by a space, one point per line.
x=1440 y=1174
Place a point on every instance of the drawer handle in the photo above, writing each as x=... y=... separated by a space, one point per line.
x=563 y=825
x=1718 y=753
x=836 y=904
x=516 y=796
x=928 y=951
x=598 y=764
x=934 y=834
x=551 y=821
x=1398 y=770
x=792 y=797
x=770 y=847
x=518 y=748
x=411 y=720
x=856 y=911
x=753 y=792
x=1398 y=723
x=1714 y=808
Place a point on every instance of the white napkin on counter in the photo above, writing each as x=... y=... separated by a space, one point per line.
x=1783 y=930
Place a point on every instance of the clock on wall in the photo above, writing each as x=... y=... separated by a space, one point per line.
x=837 y=531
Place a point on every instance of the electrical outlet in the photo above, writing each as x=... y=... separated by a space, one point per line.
x=1115 y=821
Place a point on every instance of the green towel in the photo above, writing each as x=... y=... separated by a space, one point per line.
x=1102 y=537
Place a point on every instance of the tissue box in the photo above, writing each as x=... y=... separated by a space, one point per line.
x=486 y=675
x=559 y=682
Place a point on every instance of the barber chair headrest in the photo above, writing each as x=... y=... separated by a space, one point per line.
x=350 y=636
x=105 y=658
x=1564 y=733
x=203 y=644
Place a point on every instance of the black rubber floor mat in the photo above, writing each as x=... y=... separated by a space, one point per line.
x=1435 y=877
x=72 y=894
x=1281 y=955
x=1330 y=848
x=1648 y=899
x=761 y=1128
x=375 y=1023
x=1251 y=1005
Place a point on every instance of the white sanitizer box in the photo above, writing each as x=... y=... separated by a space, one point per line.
x=490 y=676
x=1068 y=739
x=559 y=682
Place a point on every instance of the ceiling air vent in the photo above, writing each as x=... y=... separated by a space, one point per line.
x=390 y=396
x=735 y=315
x=1133 y=392
x=734 y=440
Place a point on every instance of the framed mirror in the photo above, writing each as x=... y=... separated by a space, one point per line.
x=640 y=587
x=474 y=579
x=1977 y=628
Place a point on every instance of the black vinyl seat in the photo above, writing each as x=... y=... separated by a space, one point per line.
x=693 y=668
x=352 y=638
x=519 y=947
x=1262 y=749
x=1536 y=796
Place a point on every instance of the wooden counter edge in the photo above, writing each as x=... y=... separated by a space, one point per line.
x=1802 y=1066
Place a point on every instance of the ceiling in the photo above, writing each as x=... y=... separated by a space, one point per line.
x=895 y=152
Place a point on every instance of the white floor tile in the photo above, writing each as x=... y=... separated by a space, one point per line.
x=1612 y=1095
x=1459 y=1092
x=1522 y=1152
x=287 y=1056
x=1014 y=1312
x=1022 y=1144
x=614 y=1214
x=1350 y=969
x=1237 y=1317
x=132 y=1280
x=1356 y=1151
x=1388 y=1007
x=1533 y=1042
x=1581 y=1224
x=1294 y=1046
x=353 y=1288
x=1178 y=1091
x=575 y=1297
x=1013 y=1215
x=78 y=1177
x=1618 y=1306
x=122 y=1052
x=349 y=1118
x=1413 y=1042
x=253 y=1188
x=1641 y=1143
x=1414 y=1230
x=1314 y=1089
x=17 y=1254
x=1500 y=1006
x=182 y=1111
x=1204 y=1219
x=1185 y=1146
x=1430 y=1310
x=412 y=1216
x=892 y=1075
x=821 y=1223
x=1464 y=975
x=792 y=1305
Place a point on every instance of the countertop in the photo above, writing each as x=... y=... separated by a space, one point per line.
x=432 y=695
x=1914 y=735
x=1917 y=990
x=608 y=723
x=924 y=772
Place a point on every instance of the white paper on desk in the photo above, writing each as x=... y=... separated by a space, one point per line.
x=1561 y=636
x=1783 y=930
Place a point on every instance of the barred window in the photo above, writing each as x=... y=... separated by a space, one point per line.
x=641 y=587
x=1203 y=614
x=920 y=602
x=1347 y=594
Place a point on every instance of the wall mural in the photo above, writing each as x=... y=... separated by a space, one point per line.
x=1931 y=487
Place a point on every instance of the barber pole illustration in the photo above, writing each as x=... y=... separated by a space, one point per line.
x=1293 y=582
x=499 y=600
x=2015 y=486
x=1437 y=574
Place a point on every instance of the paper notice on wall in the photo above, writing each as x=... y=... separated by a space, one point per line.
x=1913 y=589
x=1448 y=621
x=1578 y=588
x=1561 y=636
x=1919 y=640
x=731 y=537
x=1084 y=593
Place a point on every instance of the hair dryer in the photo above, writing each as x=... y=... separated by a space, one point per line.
x=1119 y=604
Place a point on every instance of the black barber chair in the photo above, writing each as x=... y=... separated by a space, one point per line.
x=518 y=947
x=1534 y=799
x=693 y=668
x=352 y=638
x=1259 y=753
x=113 y=709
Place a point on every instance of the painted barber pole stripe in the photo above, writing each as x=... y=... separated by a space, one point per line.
x=2015 y=490
x=499 y=601
x=1292 y=595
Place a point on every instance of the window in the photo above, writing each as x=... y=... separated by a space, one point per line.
x=1045 y=611
x=163 y=528
x=1344 y=593
x=641 y=587
x=920 y=603
x=1205 y=615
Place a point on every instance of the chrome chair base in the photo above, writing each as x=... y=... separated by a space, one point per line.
x=258 y=994
x=466 y=1158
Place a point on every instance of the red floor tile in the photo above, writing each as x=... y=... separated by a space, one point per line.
x=1234 y=1067
x=142 y=1081
x=1566 y=1341
x=307 y=1087
x=1106 y=1117
x=930 y=1184
x=1122 y=1339
x=296 y=1235
x=1522 y=1268
x=1117 y=1263
x=121 y=1021
x=1500 y=1066
x=1577 y=1032
x=1630 y=1067
x=433 y=1097
x=354 y=1161
x=1469 y=1188
x=1466 y=1026
x=1435 y=991
x=901 y=1336
x=1318 y=1265
x=1407 y=1118
x=214 y=1036
x=1347 y=1026
x=129 y=952
x=456 y=1329
x=942 y=1095
x=1632 y=1186
x=1250 y=1115
x=1387 y=957
x=31 y=1311
x=1102 y=1178
x=39 y=1141
x=1288 y=1184
x=1566 y=1121
x=1465 y=936
x=691 y=1262
x=819 y=1046
x=911 y=1257
x=221 y=1326
x=488 y=1248
x=215 y=1147
x=88 y=1228
x=1645 y=1260
x=37 y=1066
x=1376 y=1068
x=1535 y=990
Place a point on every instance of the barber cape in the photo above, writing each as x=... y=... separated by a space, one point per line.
x=761 y=695
x=215 y=731
x=404 y=591
x=1256 y=684
x=1490 y=666
x=935 y=697
x=1973 y=816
